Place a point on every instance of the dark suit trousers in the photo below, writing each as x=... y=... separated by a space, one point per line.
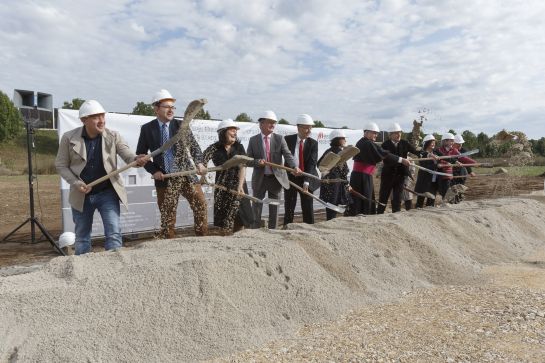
x=273 y=188
x=290 y=201
x=394 y=185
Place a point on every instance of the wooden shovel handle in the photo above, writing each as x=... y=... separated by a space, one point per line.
x=113 y=173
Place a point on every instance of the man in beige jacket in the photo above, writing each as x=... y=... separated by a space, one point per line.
x=86 y=154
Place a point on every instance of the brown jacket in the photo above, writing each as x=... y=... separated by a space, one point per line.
x=72 y=158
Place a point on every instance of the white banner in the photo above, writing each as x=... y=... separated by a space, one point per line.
x=143 y=214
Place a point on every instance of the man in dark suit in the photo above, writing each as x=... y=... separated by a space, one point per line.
x=393 y=175
x=305 y=155
x=155 y=133
x=267 y=146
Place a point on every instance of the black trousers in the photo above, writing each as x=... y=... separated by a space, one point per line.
x=429 y=202
x=390 y=185
x=444 y=184
x=363 y=184
x=290 y=201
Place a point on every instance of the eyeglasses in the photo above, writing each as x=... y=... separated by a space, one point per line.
x=169 y=107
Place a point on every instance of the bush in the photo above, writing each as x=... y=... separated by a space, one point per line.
x=11 y=121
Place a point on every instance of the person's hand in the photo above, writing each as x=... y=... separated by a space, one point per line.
x=201 y=169
x=142 y=159
x=305 y=187
x=158 y=175
x=458 y=163
x=261 y=162
x=405 y=162
x=82 y=187
x=240 y=189
x=433 y=156
x=472 y=173
x=297 y=171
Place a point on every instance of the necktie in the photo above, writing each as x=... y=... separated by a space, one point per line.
x=301 y=158
x=167 y=155
x=267 y=149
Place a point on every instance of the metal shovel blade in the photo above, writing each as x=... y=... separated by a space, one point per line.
x=429 y=195
x=328 y=162
x=334 y=207
x=270 y=201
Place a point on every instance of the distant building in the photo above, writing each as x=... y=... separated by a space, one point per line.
x=36 y=107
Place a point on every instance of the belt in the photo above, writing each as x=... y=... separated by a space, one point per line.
x=268 y=175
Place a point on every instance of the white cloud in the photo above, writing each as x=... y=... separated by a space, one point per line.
x=476 y=64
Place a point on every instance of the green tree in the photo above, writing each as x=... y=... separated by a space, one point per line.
x=203 y=115
x=538 y=147
x=283 y=121
x=483 y=144
x=243 y=117
x=74 y=105
x=318 y=124
x=11 y=121
x=143 y=108
x=470 y=140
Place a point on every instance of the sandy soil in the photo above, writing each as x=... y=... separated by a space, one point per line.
x=425 y=285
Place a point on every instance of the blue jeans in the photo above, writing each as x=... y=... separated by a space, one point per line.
x=107 y=204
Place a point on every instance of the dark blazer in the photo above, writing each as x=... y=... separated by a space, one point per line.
x=402 y=149
x=279 y=149
x=310 y=158
x=150 y=140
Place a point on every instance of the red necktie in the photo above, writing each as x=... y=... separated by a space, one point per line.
x=267 y=149
x=301 y=158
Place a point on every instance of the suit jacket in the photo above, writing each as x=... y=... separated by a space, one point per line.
x=72 y=158
x=310 y=158
x=279 y=149
x=396 y=169
x=150 y=140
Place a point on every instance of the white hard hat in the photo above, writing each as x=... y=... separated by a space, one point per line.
x=269 y=115
x=67 y=239
x=371 y=126
x=395 y=127
x=428 y=138
x=305 y=119
x=162 y=95
x=227 y=123
x=459 y=139
x=447 y=136
x=90 y=107
x=336 y=133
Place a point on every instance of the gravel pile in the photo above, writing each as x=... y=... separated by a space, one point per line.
x=199 y=298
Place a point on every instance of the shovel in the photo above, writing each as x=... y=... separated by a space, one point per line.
x=191 y=111
x=231 y=163
x=430 y=171
x=347 y=153
x=467 y=153
x=278 y=166
x=334 y=207
x=425 y=195
x=328 y=162
x=500 y=171
x=264 y=201
x=361 y=196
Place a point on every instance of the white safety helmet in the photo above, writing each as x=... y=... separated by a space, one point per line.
x=227 y=123
x=67 y=239
x=161 y=96
x=336 y=133
x=269 y=115
x=428 y=138
x=305 y=120
x=395 y=127
x=459 y=139
x=371 y=126
x=89 y=108
x=447 y=136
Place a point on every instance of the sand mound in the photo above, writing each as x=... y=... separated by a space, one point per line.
x=193 y=299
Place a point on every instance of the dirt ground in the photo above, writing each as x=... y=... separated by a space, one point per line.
x=14 y=210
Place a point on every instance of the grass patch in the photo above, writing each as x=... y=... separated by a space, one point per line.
x=14 y=153
x=528 y=170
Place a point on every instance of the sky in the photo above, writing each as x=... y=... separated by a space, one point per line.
x=473 y=65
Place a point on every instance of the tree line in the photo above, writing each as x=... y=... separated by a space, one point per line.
x=11 y=125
